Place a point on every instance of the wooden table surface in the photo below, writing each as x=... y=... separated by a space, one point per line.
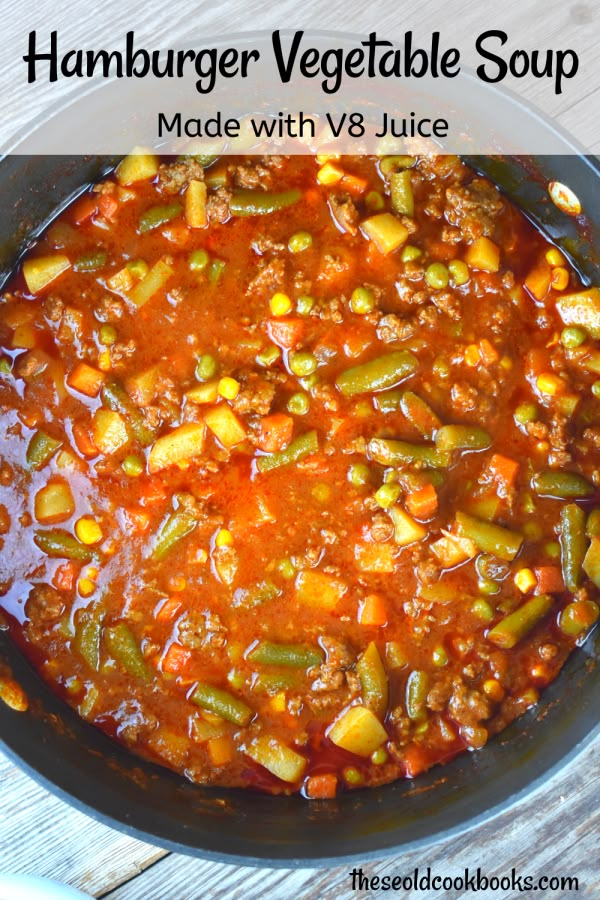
x=556 y=830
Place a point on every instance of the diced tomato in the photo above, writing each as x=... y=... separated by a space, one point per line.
x=107 y=205
x=83 y=441
x=275 y=432
x=286 y=332
x=85 y=208
x=64 y=577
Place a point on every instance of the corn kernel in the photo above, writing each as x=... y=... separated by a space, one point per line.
x=550 y=384
x=472 y=355
x=555 y=258
x=280 y=304
x=229 y=388
x=224 y=538
x=88 y=530
x=278 y=702
x=493 y=689
x=104 y=361
x=559 y=278
x=322 y=158
x=525 y=580
x=86 y=587
x=329 y=174
x=506 y=363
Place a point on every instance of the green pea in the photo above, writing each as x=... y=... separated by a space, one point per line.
x=526 y=413
x=198 y=261
x=488 y=587
x=552 y=549
x=362 y=301
x=286 y=569
x=300 y=241
x=482 y=609
x=387 y=495
x=573 y=337
x=436 y=276
x=298 y=404
x=352 y=775
x=138 y=268
x=206 y=367
x=410 y=253
x=596 y=389
x=5 y=366
x=268 y=356
x=359 y=475
x=133 y=465
x=459 y=271
x=379 y=756
x=304 y=305
x=439 y=656
x=441 y=368
x=302 y=363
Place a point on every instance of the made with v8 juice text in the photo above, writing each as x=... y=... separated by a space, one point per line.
x=298 y=478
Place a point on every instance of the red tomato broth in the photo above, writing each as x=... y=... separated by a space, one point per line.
x=232 y=580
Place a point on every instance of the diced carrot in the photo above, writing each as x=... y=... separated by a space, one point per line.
x=64 y=577
x=175 y=659
x=85 y=208
x=168 y=609
x=504 y=470
x=422 y=503
x=275 y=432
x=321 y=787
x=354 y=185
x=488 y=352
x=83 y=441
x=139 y=519
x=107 y=205
x=286 y=332
x=86 y=379
x=372 y=611
x=415 y=760
x=549 y=580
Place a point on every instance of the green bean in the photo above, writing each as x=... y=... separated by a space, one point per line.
x=62 y=545
x=90 y=262
x=400 y=453
x=373 y=680
x=516 y=625
x=573 y=544
x=420 y=414
x=462 y=437
x=378 y=374
x=159 y=215
x=115 y=397
x=489 y=538
x=259 y=203
x=273 y=682
x=222 y=703
x=41 y=449
x=389 y=401
x=416 y=695
x=296 y=656
x=178 y=525
x=87 y=636
x=299 y=448
x=591 y=563
x=562 y=485
x=122 y=645
x=401 y=193
x=592 y=526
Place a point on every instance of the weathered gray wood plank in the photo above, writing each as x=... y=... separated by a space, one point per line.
x=555 y=832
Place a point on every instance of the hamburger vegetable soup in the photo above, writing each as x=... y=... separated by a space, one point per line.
x=299 y=464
